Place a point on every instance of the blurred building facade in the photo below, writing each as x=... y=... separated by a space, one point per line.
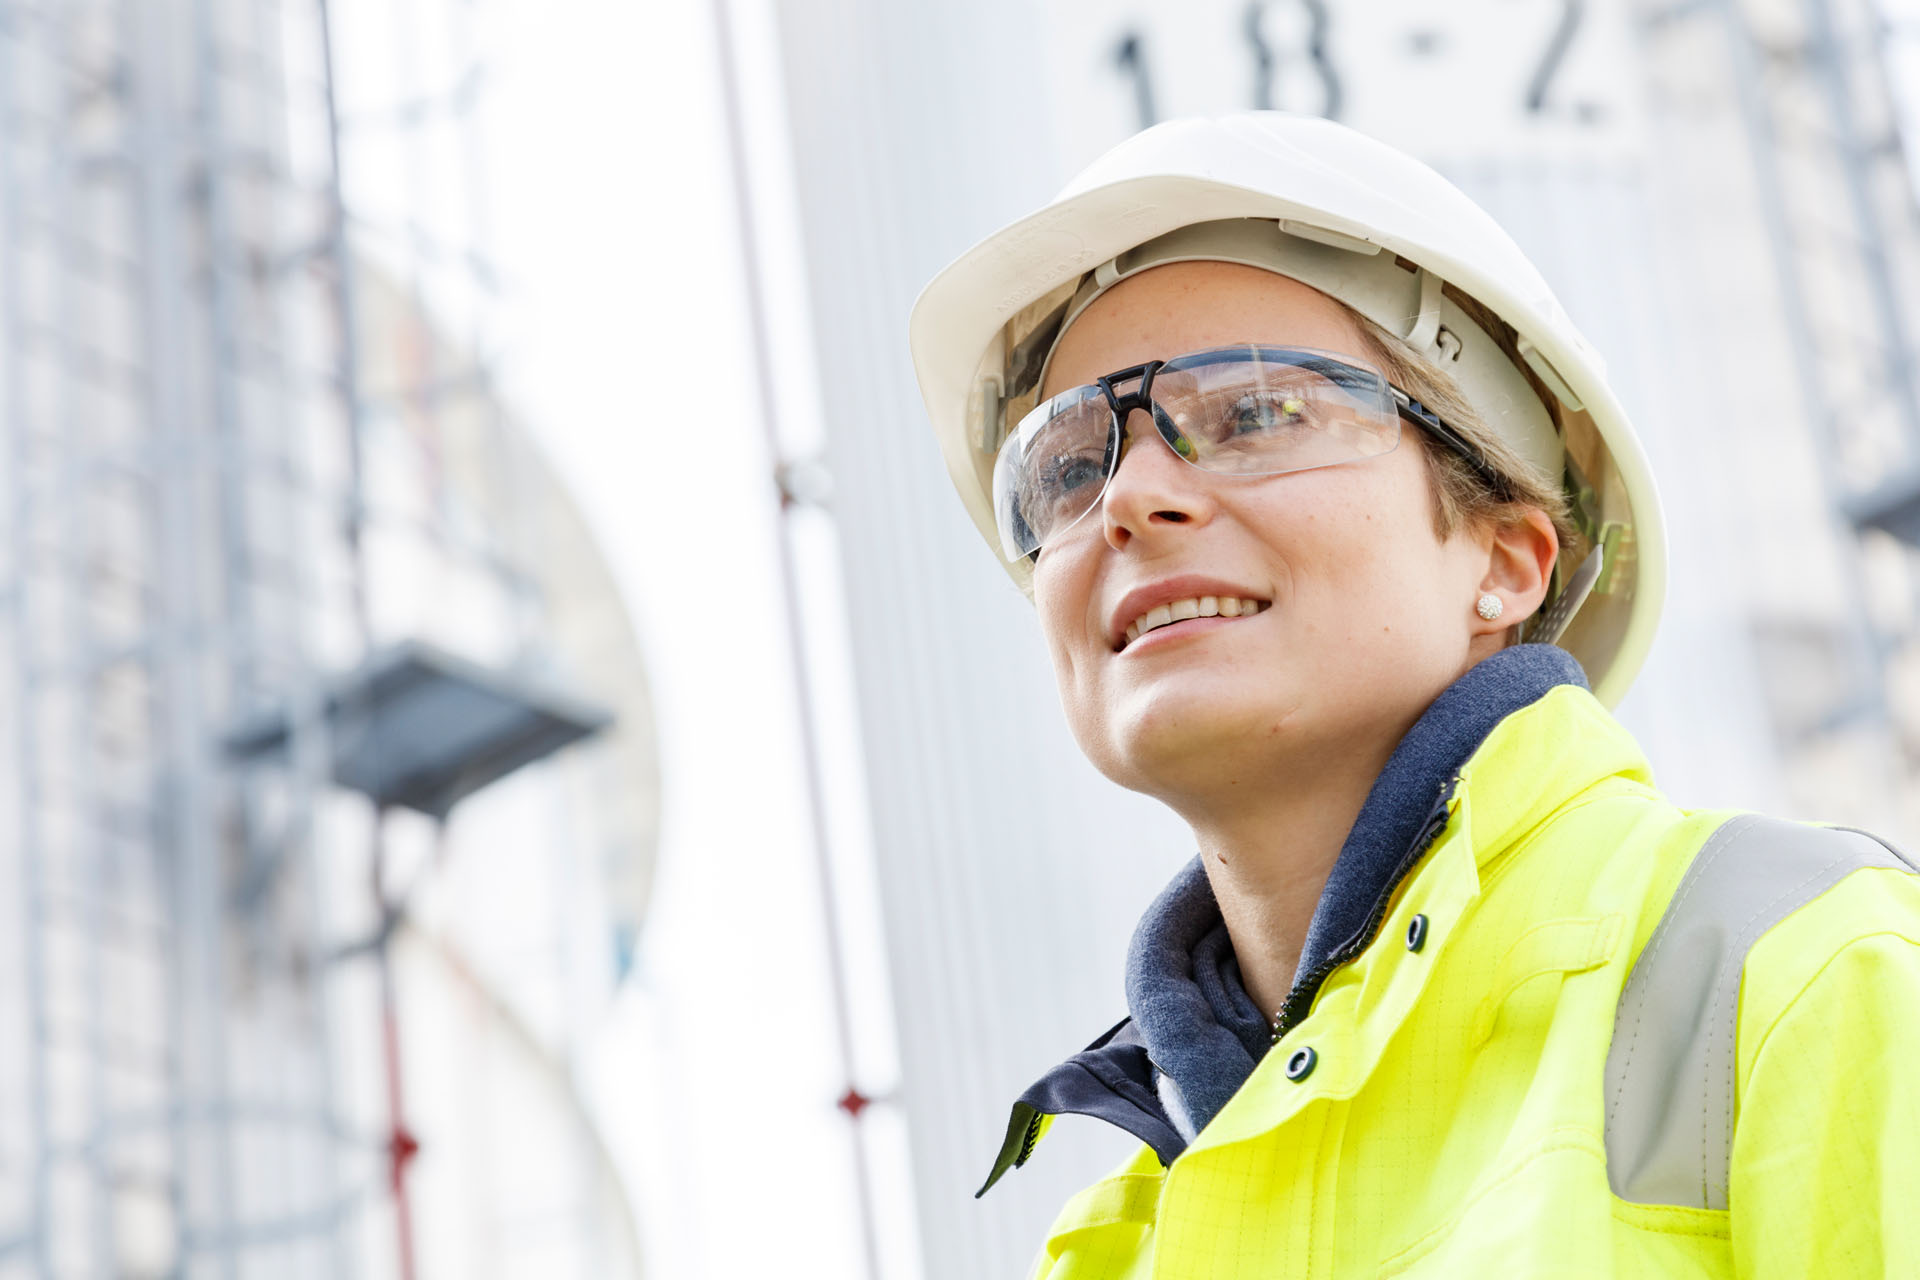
x=1721 y=195
x=264 y=1013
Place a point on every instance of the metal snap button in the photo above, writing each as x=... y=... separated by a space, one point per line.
x=1301 y=1063
x=1416 y=933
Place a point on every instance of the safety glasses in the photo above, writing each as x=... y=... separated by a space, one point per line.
x=1240 y=411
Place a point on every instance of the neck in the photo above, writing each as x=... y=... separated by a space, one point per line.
x=1299 y=870
x=1268 y=852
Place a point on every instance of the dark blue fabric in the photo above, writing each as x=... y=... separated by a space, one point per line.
x=1421 y=771
x=1186 y=996
x=1110 y=1080
x=1183 y=982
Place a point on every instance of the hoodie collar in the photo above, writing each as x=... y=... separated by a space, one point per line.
x=1193 y=1021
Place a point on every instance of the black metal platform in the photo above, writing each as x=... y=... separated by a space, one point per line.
x=416 y=726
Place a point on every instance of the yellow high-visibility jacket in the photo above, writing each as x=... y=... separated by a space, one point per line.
x=1633 y=1041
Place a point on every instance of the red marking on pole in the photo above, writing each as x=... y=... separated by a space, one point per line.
x=402 y=1147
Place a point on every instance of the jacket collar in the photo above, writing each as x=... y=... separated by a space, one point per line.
x=1192 y=1018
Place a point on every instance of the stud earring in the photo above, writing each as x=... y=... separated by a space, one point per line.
x=1489 y=606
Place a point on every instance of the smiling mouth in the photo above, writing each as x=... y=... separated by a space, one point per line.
x=1165 y=615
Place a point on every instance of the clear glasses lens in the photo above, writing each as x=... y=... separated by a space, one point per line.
x=1234 y=410
x=1052 y=469
x=1267 y=410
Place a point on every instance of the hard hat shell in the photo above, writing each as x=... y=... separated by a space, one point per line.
x=1332 y=186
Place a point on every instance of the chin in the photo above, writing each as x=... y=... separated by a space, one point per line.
x=1175 y=742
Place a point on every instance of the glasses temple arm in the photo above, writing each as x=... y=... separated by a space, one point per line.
x=1421 y=416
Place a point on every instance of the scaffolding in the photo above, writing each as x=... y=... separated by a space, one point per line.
x=1782 y=116
x=155 y=589
x=201 y=515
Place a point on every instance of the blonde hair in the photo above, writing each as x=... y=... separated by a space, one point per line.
x=1460 y=496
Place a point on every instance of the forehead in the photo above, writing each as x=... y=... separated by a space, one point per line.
x=1189 y=306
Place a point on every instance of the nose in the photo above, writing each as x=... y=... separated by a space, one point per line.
x=1152 y=487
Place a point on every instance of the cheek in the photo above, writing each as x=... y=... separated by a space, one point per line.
x=1417 y=605
x=1060 y=596
x=1362 y=560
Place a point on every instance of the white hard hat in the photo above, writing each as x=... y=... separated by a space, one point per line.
x=1357 y=220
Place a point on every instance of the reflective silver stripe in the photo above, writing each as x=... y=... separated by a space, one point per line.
x=1670 y=1069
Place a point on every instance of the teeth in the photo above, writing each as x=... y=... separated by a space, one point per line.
x=1197 y=607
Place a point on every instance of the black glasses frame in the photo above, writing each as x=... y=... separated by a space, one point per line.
x=1141 y=397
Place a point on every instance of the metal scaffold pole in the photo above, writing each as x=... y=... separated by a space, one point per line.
x=400 y=1145
x=854 y=1102
x=28 y=1238
x=202 y=1104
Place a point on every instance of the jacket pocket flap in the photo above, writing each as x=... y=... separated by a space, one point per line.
x=1567 y=945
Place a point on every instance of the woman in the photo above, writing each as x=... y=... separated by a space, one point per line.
x=1330 y=519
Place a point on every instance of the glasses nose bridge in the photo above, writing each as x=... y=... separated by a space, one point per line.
x=1125 y=404
x=1168 y=486
x=1140 y=397
x=1128 y=435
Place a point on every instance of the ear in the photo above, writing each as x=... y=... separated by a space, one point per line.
x=1520 y=556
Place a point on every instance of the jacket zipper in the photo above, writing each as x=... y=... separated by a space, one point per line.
x=1027 y=1143
x=1300 y=999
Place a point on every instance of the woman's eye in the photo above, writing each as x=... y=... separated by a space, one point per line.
x=1264 y=413
x=1064 y=475
x=1062 y=483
